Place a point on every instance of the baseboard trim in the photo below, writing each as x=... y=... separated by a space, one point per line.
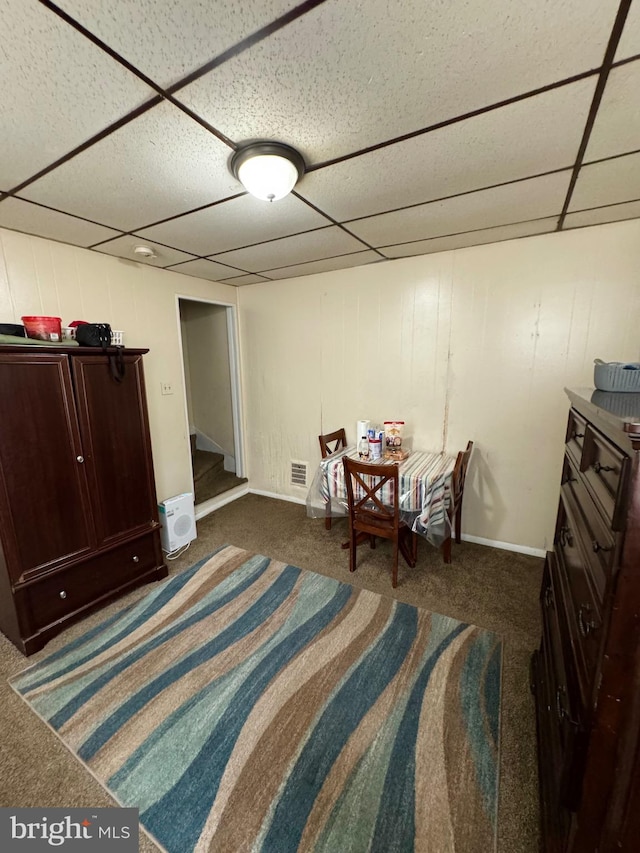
x=264 y=494
x=476 y=540
x=505 y=546
x=207 y=507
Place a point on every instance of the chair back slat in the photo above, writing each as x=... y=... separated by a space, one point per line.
x=332 y=441
x=365 y=483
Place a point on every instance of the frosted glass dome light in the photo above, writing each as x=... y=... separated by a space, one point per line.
x=268 y=170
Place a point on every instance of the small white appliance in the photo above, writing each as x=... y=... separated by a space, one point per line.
x=178 y=522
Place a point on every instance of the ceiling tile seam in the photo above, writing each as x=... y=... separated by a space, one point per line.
x=609 y=55
x=135 y=232
x=603 y=206
x=315 y=261
x=470 y=231
x=458 y=195
x=98 y=137
x=240 y=270
x=334 y=221
x=455 y=119
x=246 y=43
x=266 y=242
x=612 y=157
x=72 y=215
x=167 y=93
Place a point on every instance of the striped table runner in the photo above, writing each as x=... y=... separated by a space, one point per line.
x=424 y=483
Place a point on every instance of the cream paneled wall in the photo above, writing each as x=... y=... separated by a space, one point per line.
x=40 y=276
x=476 y=343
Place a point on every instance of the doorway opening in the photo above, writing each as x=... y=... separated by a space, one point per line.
x=212 y=391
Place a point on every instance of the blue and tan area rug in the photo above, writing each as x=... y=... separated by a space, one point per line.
x=249 y=705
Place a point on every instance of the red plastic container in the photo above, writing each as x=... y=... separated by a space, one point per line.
x=43 y=328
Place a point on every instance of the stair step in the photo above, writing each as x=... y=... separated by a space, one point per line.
x=214 y=482
x=204 y=462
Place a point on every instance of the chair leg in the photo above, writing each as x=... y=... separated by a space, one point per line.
x=459 y=525
x=446 y=549
x=353 y=545
x=327 y=518
x=394 y=574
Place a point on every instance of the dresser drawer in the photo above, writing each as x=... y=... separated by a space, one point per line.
x=583 y=604
x=605 y=471
x=566 y=707
x=596 y=538
x=576 y=432
x=62 y=593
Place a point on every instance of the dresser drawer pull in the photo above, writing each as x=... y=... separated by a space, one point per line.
x=565 y=537
x=136 y=559
x=578 y=435
x=586 y=625
x=562 y=712
x=63 y=594
x=548 y=597
x=598 y=547
x=597 y=467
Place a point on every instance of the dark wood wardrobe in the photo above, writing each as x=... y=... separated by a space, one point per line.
x=78 y=513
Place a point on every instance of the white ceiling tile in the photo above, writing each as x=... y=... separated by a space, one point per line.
x=523 y=139
x=617 y=126
x=238 y=222
x=326 y=265
x=349 y=75
x=202 y=268
x=58 y=90
x=43 y=222
x=532 y=199
x=168 y=39
x=240 y=280
x=600 y=215
x=310 y=246
x=607 y=183
x=472 y=238
x=158 y=165
x=123 y=247
x=629 y=44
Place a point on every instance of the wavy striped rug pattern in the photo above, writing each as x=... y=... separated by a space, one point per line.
x=249 y=705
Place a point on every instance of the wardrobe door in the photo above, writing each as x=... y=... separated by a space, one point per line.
x=45 y=514
x=115 y=434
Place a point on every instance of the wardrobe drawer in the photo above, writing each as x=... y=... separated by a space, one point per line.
x=605 y=472
x=583 y=604
x=66 y=591
x=576 y=431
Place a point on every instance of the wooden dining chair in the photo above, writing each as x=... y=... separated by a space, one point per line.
x=329 y=443
x=457 y=493
x=370 y=516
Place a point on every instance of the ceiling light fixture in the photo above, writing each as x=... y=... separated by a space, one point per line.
x=268 y=170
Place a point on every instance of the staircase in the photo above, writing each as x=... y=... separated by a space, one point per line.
x=209 y=477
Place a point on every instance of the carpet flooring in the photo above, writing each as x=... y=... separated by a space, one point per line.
x=494 y=589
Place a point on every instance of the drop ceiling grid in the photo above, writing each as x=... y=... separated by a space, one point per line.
x=321 y=77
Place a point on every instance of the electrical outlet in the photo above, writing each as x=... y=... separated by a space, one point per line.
x=166 y=388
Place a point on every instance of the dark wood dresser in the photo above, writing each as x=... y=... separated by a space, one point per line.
x=78 y=513
x=586 y=673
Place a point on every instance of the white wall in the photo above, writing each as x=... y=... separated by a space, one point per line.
x=206 y=342
x=40 y=276
x=475 y=344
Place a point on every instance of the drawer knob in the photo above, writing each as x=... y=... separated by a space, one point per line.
x=63 y=594
x=597 y=467
x=565 y=538
x=586 y=625
x=80 y=458
x=548 y=597
x=136 y=559
x=598 y=547
x=578 y=435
